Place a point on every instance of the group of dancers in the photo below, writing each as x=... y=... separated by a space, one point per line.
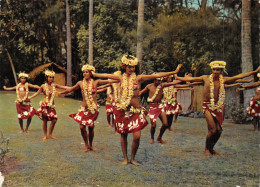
x=123 y=102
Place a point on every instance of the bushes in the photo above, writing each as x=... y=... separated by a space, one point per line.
x=3 y=149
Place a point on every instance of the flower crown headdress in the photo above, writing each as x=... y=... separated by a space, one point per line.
x=88 y=67
x=49 y=73
x=129 y=60
x=218 y=64
x=22 y=74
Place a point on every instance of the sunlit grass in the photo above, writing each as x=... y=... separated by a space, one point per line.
x=180 y=162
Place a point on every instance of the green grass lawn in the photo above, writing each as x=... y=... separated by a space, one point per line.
x=180 y=162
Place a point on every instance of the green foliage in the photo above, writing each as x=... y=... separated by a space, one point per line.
x=3 y=149
x=238 y=114
x=34 y=33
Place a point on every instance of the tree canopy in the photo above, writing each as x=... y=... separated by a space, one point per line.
x=34 y=33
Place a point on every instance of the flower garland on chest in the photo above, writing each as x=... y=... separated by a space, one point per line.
x=128 y=91
x=87 y=87
x=116 y=93
x=168 y=95
x=154 y=95
x=22 y=100
x=221 y=96
x=50 y=101
x=109 y=95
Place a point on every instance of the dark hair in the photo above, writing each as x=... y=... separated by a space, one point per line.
x=24 y=77
x=123 y=69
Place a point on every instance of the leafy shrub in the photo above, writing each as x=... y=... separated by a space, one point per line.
x=3 y=148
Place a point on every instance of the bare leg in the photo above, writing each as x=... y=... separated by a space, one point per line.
x=254 y=121
x=258 y=123
x=135 y=145
x=53 y=122
x=175 y=117
x=21 y=125
x=212 y=136
x=164 y=126
x=169 y=119
x=44 y=126
x=124 y=148
x=152 y=131
x=84 y=135
x=91 y=137
x=28 y=124
x=108 y=120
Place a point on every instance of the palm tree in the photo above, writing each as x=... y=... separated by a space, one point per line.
x=90 y=51
x=140 y=25
x=12 y=66
x=69 y=64
x=247 y=63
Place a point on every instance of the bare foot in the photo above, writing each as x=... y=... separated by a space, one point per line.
x=21 y=131
x=44 y=138
x=51 y=137
x=216 y=153
x=92 y=149
x=27 y=131
x=134 y=163
x=151 y=141
x=161 y=141
x=86 y=149
x=109 y=126
x=170 y=129
x=207 y=152
x=125 y=162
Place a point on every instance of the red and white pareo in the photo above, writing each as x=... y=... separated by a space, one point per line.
x=254 y=108
x=85 y=116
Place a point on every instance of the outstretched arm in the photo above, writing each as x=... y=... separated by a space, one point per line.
x=250 y=86
x=231 y=85
x=9 y=89
x=34 y=86
x=71 y=89
x=37 y=93
x=106 y=76
x=144 y=90
x=188 y=78
x=240 y=76
x=166 y=84
x=244 y=81
x=62 y=87
x=108 y=81
x=158 y=75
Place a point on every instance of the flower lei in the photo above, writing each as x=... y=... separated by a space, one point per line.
x=128 y=91
x=109 y=95
x=168 y=95
x=155 y=94
x=50 y=102
x=116 y=92
x=221 y=96
x=88 y=94
x=22 y=100
x=136 y=110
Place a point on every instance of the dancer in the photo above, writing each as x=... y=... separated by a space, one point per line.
x=47 y=110
x=109 y=106
x=130 y=115
x=254 y=106
x=23 y=105
x=156 y=107
x=213 y=100
x=88 y=112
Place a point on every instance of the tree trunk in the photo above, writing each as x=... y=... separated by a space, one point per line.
x=247 y=64
x=12 y=65
x=90 y=51
x=203 y=4
x=69 y=63
x=139 y=52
